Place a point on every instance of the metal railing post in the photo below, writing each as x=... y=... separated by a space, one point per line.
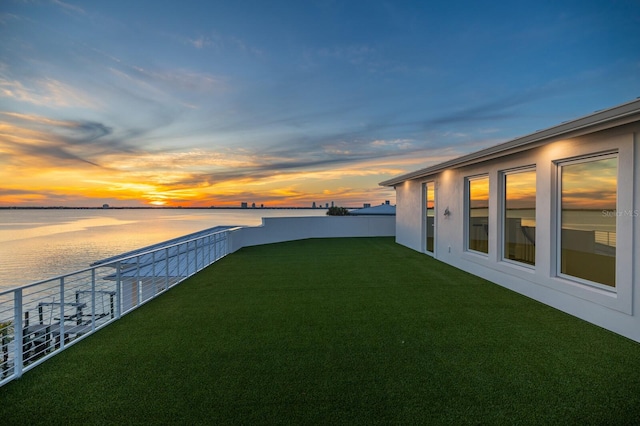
x=153 y=274
x=166 y=260
x=195 y=256
x=18 y=346
x=203 y=250
x=186 y=263
x=225 y=244
x=177 y=267
x=209 y=251
x=138 y=282
x=61 y=336
x=118 y=292
x=93 y=299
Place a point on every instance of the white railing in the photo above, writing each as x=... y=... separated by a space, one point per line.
x=39 y=320
x=605 y=237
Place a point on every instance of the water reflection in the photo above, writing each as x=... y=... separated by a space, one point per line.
x=520 y=217
x=430 y=219
x=588 y=239
x=478 y=238
x=20 y=231
x=40 y=244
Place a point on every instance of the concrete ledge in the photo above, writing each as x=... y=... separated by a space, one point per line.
x=279 y=229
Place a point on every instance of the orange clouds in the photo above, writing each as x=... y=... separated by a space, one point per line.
x=47 y=161
x=590 y=185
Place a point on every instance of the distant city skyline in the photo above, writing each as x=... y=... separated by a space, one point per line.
x=199 y=104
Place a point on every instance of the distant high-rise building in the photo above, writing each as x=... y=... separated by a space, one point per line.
x=243 y=205
x=253 y=205
x=327 y=205
x=332 y=204
x=313 y=205
x=366 y=205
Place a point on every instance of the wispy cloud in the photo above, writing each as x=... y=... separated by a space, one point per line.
x=68 y=7
x=220 y=42
x=37 y=140
x=355 y=54
x=199 y=42
x=506 y=107
x=358 y=55
x=7 y=17
x=181 y=79
x=163 y=89
x=45 y=92
x=207 y=169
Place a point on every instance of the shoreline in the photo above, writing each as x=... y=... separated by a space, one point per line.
x=165 y=208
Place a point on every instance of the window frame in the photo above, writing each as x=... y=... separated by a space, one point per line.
x=467 y=212
x=503 y=212
x=424 y=216
x=558 y=218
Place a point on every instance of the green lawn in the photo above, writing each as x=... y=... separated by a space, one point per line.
x=336 y=331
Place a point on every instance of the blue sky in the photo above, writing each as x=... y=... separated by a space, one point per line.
x=286 y=102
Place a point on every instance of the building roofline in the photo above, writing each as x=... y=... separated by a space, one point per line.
x=618 y=115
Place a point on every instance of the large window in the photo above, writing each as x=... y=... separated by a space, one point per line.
x=588 y=202
x=519 y=216
x=429 y=196
x=478 y=214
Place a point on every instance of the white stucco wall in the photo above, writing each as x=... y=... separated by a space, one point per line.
x=409 y=225
x=279 y=229
x=609 y=308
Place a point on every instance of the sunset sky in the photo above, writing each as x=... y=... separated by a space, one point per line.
x=214 y=103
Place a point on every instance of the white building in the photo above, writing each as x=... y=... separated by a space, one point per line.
x=553 y=215
x=385 y=209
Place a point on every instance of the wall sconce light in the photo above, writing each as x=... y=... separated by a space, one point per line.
x=447 y=213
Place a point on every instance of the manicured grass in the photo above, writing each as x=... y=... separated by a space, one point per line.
x=336 y=331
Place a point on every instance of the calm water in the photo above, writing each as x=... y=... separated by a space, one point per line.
x=40 y=244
